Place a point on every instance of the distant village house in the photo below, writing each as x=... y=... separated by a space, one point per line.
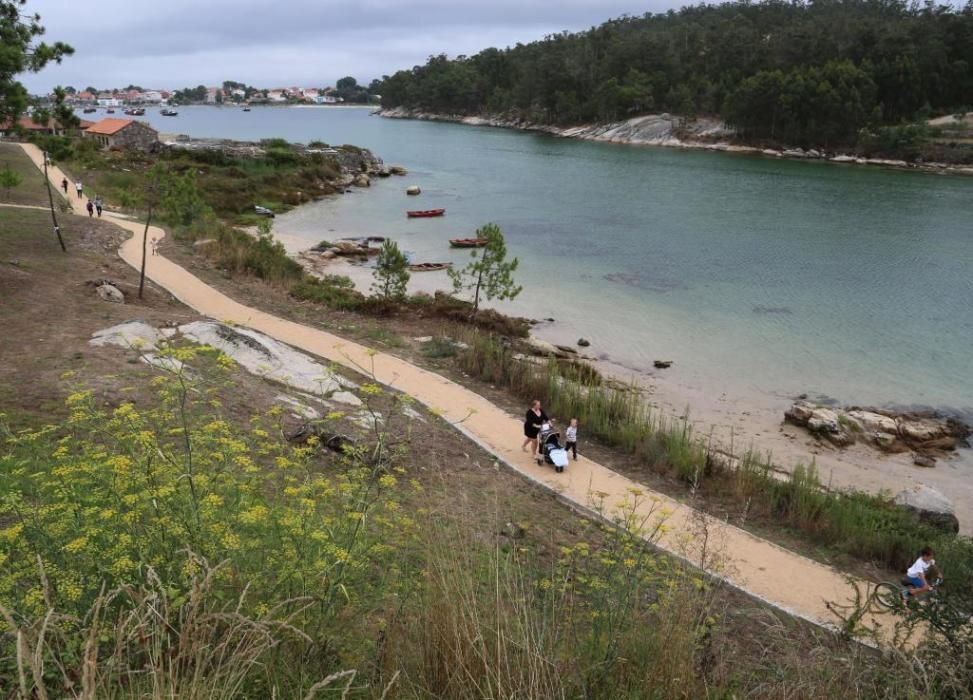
x=7 y=128
x=123 y=134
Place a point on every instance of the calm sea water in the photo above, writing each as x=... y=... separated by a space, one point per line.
x=753 y=274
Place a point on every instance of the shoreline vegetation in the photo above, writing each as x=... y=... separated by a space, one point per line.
x=578 y=618
x=859 y=79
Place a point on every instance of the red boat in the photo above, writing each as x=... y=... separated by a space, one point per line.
x=468 y=242
x=425 y=213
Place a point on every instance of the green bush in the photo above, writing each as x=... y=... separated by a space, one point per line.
x=333 y=291
x=438 y=347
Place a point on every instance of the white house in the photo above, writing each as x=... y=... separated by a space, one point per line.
x=276 y=96
x=151 y=96
x=109 y=102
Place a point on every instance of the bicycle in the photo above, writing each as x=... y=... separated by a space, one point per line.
x=892 y=596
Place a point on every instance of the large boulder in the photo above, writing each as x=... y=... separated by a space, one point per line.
x=920 y=429
x=872 y=422
x=823 y=420
x=932 y=507
x=362 y=181
x=799 y=413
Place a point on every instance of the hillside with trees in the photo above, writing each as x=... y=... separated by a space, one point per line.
x=804 y=73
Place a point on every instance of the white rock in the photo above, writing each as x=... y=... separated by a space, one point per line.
x=111 y=293
x=874 y=422
x=133 y=334
x=920 y=430
x=823 y=420
x=264 y=356
x=345 y=397
x=300 y=409
x=931 y=505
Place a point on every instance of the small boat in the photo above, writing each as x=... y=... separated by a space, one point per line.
x=168 y=112
x=263 y=211
x=246 y=108
x=467 y=242
x=425 y=213
x=135 y=112
x=89 y=110
x=110 y=111
x=429 y=267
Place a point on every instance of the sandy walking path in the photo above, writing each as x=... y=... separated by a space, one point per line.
x=784 y=579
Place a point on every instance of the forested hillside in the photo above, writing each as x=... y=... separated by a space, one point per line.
x=795 y=72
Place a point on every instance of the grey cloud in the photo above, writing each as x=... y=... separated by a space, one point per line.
x=183 y=42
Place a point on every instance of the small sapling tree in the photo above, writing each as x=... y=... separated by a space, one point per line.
x=391 y=273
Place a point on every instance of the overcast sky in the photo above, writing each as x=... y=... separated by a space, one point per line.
x=178 y=43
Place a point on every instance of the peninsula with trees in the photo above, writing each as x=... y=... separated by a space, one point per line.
x=878 y=79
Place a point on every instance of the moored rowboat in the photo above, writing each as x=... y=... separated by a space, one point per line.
x=468 y=242
x=425 y=213
x=429 y=267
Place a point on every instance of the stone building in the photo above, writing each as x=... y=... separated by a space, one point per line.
x=124 y=134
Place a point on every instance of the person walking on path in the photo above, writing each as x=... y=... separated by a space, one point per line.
x=80 y=189
x=99 y=205
x=533 y=422
x=571 y=438
x=91 y=209
x=64 y=184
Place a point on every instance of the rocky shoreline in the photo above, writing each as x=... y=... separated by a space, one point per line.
x=670 y=131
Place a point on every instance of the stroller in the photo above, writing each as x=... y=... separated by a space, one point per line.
x=552 y=450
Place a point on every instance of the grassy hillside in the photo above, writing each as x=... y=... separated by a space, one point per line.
x=161 y=537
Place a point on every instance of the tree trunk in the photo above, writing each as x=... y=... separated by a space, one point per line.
x=476 y=295
x=145 y=241
x=50 y=198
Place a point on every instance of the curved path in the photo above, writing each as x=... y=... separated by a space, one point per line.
x=782 y=578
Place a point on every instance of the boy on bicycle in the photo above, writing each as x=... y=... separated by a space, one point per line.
x=918 y=574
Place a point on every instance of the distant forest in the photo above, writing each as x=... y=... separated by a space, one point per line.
x=813 y=73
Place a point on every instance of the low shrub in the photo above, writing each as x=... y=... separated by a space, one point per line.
x=333 y=291
x=438 y=347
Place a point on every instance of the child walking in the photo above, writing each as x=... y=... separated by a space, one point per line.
x=571 y=438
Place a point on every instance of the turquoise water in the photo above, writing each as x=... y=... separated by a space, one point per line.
x=753 y=274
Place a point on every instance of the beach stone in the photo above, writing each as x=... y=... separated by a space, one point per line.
x=584 y=342
x=947 y=443
x=874 y=422
x=799 y=413
x=413 y=190
x=398 y=170
x=932 y=507
x=329 y=255
x=362 y=181
x=920 y=429
x=111 y=293
x=923 y=461
x=840 y=438
x=823 y=420
x=567 y=348
x=883 y=441
x=133 y=334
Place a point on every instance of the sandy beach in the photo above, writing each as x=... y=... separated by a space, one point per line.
x=735 y=422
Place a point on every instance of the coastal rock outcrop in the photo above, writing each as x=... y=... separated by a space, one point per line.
x=932 y=507
x=928 y=435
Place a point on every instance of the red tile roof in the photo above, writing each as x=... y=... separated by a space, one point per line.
x=30 y=125
x=108 y=127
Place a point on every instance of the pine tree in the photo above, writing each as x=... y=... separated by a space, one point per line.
x=490 y=274
x=391 y=273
